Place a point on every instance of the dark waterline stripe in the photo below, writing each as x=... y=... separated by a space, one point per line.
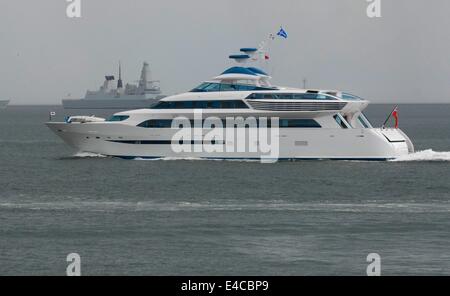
x=257 y=158
x=165 y=142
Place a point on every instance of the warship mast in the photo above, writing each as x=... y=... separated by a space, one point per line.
x=119 y=82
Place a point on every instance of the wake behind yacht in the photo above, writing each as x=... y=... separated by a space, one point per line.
x=144 y=94
x=213 y=119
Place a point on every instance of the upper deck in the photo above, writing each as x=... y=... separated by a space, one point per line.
x=247 y=90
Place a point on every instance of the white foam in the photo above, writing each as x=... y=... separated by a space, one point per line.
x=425 y=155
x=88 y=155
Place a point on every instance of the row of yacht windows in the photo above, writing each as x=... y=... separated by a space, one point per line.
x=218 y=87
x=290 y=96
x=225 y=104
x=214 y=86
x=283 y=123
x=238 y=104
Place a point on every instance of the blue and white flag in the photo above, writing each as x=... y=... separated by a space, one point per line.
x=282 y=33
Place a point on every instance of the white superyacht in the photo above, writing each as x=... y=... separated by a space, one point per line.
x=113 y=95
x=212 y=119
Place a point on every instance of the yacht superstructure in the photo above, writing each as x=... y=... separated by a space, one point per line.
x=211 y=120
x=114 y=95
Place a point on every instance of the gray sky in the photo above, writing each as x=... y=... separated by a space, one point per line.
x=402 y=56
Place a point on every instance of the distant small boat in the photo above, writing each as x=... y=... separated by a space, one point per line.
x=3 y=104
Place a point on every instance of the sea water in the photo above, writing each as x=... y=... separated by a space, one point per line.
x=192 y=217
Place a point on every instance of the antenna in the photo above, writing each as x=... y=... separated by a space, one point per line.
x=304 y=83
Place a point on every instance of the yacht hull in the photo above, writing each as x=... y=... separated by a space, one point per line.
x=126 y=141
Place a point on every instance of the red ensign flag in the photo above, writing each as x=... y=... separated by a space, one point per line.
x=395 y=114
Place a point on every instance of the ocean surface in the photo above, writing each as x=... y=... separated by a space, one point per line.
x=200 y=217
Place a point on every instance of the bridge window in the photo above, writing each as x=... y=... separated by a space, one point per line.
x=228 y=87
x=350 y=97
x=237 y=86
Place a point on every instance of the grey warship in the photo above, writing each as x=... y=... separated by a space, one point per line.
x=146 y=93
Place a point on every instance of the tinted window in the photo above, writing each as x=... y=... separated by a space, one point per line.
x=214 y=104
x=283 y=123
x=201 y=87
x=286 y=96
x=228 y=104
x=163 y=105
x=299 y=123
x=228 y=87
x=200 y=104
x=347 y=96
x=214 y=86
x=156 y=123
x=239 y=105
x=364 y=121
x=188 y=105
x=179 y=105
x=118 y=118
x=340 y=121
